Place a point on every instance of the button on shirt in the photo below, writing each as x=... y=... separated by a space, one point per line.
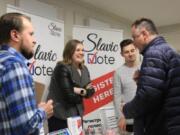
x=19 y=114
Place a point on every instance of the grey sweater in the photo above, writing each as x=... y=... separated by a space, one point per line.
x=124 y=88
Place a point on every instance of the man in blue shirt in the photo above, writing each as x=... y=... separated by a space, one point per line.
x=19 y=114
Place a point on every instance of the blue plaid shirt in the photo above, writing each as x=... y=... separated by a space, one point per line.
x=19 y=114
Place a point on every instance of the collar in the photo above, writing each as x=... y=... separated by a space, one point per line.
x=157 y=40
x=14 y=52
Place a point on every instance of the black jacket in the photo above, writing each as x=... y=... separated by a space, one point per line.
x=153 y=86
x=172 y=102
x=64 y=79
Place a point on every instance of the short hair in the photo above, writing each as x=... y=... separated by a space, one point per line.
x=8 y=22
x=69 y=50
x=146 y=23
x=125 y=42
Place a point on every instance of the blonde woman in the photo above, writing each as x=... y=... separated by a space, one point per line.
x=70 y=83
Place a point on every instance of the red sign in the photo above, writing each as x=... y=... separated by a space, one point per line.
x=103 y=94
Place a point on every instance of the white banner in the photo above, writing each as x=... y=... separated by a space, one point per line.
x=49 y=35
x=102 y=57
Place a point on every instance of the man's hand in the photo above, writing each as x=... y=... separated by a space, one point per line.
x=48 y=107
x=122 y=120
x=122 y=124
x=136 y=76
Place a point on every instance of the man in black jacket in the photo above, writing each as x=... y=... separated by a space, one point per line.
x=150 y=104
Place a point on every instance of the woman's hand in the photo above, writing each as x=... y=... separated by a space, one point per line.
x=90 y=90
x=89 y=86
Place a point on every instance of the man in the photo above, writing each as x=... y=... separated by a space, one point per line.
x=155 y=103
x=123 y=84
x=19 y=114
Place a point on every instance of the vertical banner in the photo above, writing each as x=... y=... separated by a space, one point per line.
x=102 y=57
x=49 y=35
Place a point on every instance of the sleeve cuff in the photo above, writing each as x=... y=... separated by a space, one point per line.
x=42 y=114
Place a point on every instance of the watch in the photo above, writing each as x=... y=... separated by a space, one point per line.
x=82 y=92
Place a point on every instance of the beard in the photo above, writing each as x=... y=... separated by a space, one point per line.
x=25 y=52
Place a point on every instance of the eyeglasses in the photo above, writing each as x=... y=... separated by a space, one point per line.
x=136 y=36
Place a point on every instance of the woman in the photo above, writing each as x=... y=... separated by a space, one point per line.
x=70 y=83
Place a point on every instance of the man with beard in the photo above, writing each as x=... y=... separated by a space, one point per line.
x=124 y=86
x=19 y=114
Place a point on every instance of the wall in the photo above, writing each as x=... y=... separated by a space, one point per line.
x=74 y=13
x=172 y=34
x=3 y=5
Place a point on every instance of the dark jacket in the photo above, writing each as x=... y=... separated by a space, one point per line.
x=153 y=84
x=172 y=102
x=64 y=79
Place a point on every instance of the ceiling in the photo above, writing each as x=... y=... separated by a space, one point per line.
x=162 y=12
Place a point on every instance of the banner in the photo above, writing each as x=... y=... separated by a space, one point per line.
x=49 y=35
x=102 y=57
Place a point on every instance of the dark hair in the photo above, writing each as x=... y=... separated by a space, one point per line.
x=69 y=50
x=8 y=22
x=147 y=24
x=125 y=42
